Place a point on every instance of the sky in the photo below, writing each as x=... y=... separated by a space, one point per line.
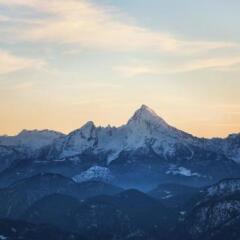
x=63 y=63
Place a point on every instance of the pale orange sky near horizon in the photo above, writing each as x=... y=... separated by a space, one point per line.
x=71 y=119
x=63 y=63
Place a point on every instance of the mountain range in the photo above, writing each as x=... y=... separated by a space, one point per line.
x=143 y=152
x=144 y=180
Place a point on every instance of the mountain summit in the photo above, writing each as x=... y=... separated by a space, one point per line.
x=143 y=111
x=147 y=115
x=145 y=129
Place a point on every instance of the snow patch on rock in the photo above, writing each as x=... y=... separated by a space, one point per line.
x=175 y=170
x=95 y=173
x=2 y=237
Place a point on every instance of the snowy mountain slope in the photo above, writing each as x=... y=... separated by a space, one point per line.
x=229 y=146
x=25 y=145
x=31 y=139
x=8 y=155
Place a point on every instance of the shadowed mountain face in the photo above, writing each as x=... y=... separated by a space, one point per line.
x=174 y=195
x=56 y=209
x=130 y=213
x=214 y=214
x=12 y=230
x=19 y=196
x=96 y=210
x=143 y=152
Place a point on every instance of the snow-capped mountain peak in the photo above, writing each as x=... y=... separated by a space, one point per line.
x=146 y=115
x=143 y=130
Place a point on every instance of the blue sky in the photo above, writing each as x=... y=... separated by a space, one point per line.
x=204 y=19
x=65 y=62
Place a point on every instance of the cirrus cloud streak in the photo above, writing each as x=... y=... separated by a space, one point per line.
x=137 y=68
x=87 y=25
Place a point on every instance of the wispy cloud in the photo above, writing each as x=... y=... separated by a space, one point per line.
x=11 y=63
x=137 y=68
x=83 y=23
